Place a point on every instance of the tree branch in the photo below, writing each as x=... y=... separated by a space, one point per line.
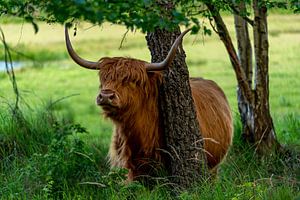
x=213 y=26
x=238 y=12
x=226 y=39
x=10 y=69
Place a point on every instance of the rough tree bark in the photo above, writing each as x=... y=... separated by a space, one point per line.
x=187 y=161
x=258 y=128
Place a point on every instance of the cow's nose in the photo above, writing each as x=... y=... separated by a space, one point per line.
x=105 y=97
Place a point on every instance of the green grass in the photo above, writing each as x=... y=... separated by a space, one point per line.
x=68 y=168
x=53 y=79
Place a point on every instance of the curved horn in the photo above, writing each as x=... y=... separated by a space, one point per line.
x=75 y=57
x=170 y=57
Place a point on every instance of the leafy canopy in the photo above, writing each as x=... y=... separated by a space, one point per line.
x=141 y=14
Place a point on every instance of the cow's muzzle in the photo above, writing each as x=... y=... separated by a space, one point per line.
x=106 y=98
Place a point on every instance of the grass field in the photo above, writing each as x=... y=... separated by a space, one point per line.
x=51 y=78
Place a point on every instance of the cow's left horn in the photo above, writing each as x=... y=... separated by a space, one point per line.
x=75 y=57
x=170 y=57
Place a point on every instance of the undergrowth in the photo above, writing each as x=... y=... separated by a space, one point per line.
x=44 y=157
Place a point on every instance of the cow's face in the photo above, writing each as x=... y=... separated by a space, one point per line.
x=124 y=84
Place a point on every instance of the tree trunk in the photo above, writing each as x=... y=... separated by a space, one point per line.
x=245 y=57
x=264 y=133
x=187 y=161
x=258 y=128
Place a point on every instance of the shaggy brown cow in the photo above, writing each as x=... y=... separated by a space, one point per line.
x=129 y=97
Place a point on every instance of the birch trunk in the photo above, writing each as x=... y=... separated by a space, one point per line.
x=264 y=132
x=245 y=57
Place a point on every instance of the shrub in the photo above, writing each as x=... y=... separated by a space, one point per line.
x=66 y=162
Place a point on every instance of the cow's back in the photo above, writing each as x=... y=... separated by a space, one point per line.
x=214 y=115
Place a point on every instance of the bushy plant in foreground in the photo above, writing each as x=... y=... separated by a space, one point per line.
x=65 y=163
x=41 y=154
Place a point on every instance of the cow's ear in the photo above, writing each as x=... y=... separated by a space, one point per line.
x=155 y=76
x=151 y=74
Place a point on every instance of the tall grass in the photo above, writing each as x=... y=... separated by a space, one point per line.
x=41 y=153
x=20 y=134
x=42 y=157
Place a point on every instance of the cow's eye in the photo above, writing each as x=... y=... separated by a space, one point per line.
x=132 y=84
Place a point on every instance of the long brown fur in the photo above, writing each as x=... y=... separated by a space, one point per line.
x=137 y=140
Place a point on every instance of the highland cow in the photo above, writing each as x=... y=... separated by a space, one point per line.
x=129 y=97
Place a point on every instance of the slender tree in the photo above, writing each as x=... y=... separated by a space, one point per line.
x=245 y=58
x=253 y=89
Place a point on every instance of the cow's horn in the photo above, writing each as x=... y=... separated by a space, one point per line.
x=170 y=57
x=75 y=57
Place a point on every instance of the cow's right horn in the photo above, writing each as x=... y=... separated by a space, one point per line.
x=170 y=57
x=75 y=57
